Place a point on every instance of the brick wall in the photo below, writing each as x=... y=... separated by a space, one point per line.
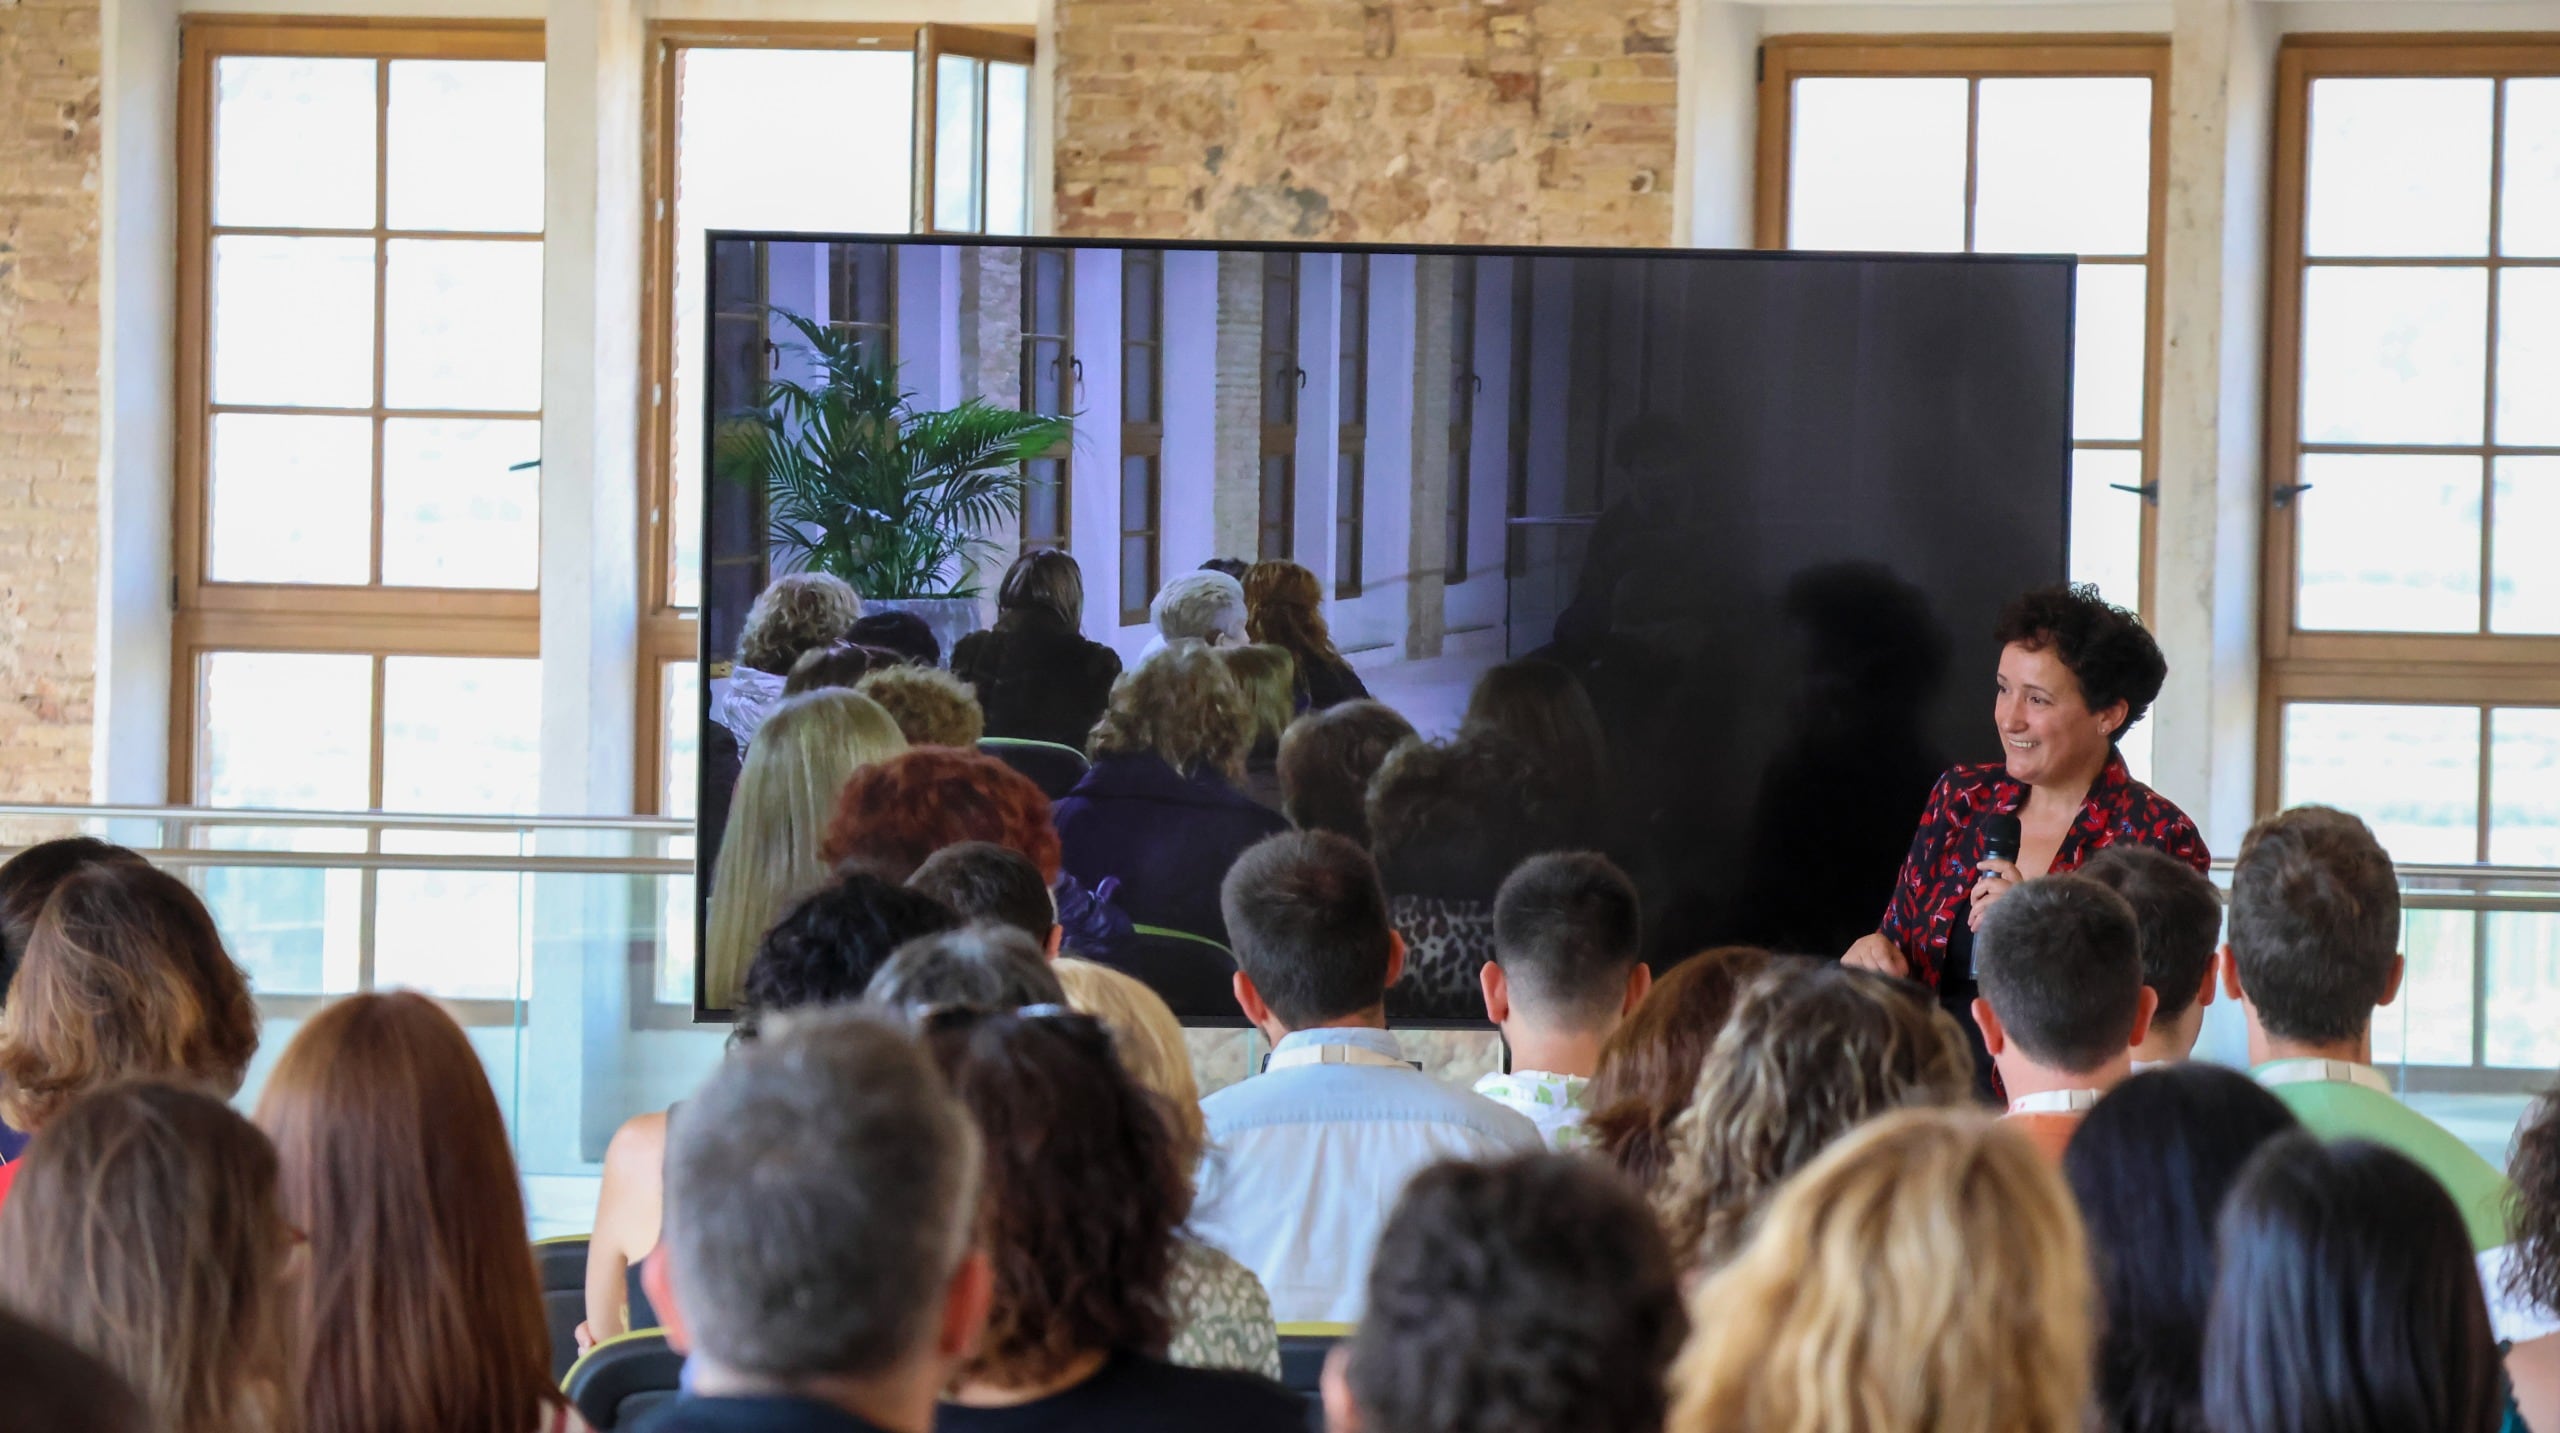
x=49 y=77
x=1450 y=121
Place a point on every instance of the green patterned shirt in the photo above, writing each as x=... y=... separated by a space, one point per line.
x=1556 y=1104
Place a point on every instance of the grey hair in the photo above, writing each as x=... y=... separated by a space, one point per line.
x=821 y=1189
x=1205 y=605
x=991 y=966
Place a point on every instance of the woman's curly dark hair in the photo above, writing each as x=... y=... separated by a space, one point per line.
x=2108 y=650
x=2533 y=1206
x=1449 y=820
x=825 y=949
x=1082 y=1193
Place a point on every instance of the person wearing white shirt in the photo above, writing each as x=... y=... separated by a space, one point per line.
x=1306 y=1159
x=1564 y=973
x=2062 y=1003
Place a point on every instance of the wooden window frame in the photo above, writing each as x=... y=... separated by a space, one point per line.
x=1464 y=382
x=1351 y=490
x=1280 y=433
x=1070 y=379
x=1785 y=59
x=1142 y=440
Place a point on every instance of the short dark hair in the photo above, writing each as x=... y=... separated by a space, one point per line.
x=27 y=880
x=2150 y=1166
x=987 y=965
x=819 y=1194
x=1327 y=759
x=2061 y=964
x=2315 y=923
x=55 y=1385
x=903 y=634
x=2347 y=1299
x=1532 y=1295
x=1566 y=930
x=825 y=950
x=2107 y=649
x=1450 y=820
x=1309 y=923
x=2177 y=918
x=984 y=881
x=822 y=668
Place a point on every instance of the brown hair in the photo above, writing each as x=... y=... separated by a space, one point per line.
x=1327 y=759
x=27 y=881
x=125 y=976
x=819 y=668
x=424 y=1309
x=2315 y=923
x=145 y=1229
x=1648 y=1070
x=1268 y=677
x=1183 y=705
x=931 y=706
x=1045 y=581
x=1284 y=605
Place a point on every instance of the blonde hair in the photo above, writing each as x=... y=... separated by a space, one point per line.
x=1183 y=705
x=1928 y=1274
x=796 y=613
x=796 y=767
x=1149 y=1041
x=933 y=707
x=1268 y=676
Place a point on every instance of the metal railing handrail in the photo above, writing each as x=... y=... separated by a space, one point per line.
x=226 y=858
x=365 y=820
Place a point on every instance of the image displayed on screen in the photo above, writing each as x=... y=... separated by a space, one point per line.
x=1688 y=558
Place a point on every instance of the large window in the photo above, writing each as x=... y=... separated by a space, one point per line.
x=1051 y=380
x=1141 y=431
x=1277 y=528
x=1350 y=477
x=1463 y=385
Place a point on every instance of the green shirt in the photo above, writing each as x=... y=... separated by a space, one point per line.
x=2338 y=1100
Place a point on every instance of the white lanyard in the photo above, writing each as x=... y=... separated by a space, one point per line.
x=2055 y=1102
x=1298 y=1055
x=2314 y=1071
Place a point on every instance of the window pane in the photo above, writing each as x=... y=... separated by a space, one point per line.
x=287 y=729
x=293 y=142
x=2393 y=355
x=293 y=321
x=292 y=499
x=464 y=324
x=466 y=145
x=2430 y=1024
x=680 y=718
x=2107 y=349
x=2529 y=357
x=2524 y=587
x=2064 y=167
x=1137 y=493
x=453 y=515
x=461 y=734
x=1135 y=591
x=2106 y=525
x=2523 y=978
x=2389 y=543
x=2524 y=787
x=1877 y=164
x=2399 y=166
x=956 y=101
x=2529 y=215
x=2412 y=773
x=1008 y=149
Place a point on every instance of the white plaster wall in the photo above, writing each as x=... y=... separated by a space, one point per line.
x=1319 y=411
x=1375 y=619
x=1093 y=485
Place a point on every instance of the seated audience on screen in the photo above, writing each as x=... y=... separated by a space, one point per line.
x=2062 y=1003
x=1530 y=1293
x=1205 y=606
x=1448 y=822
x=1284 y=606
x=2314 y=948
x=1542 y=709
x=842 y=665
x=2150 y=1167
x=1326 y=761
x=797 y=613
x=1037 y=676
x=986 y=966
x=124 y=977
x=829 y=1156
x=2522 y=1279
x=1084 y=1192
x=147 y=1231
x=1160 y=811
x=424 y=1311
x=931 y=706
x=1265 y=674
x=808 y=748
x=57 y=1387
x=2178 y=915
x=1648 y=1069
x=1307 y=1158
x=905 y=637
x=1927 y=1274
x=1565 y=971
x=1221 y=1312
x=2346 y=1300
x=1811 y=1052
x=981 y=880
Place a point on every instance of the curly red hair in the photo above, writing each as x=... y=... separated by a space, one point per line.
x=895 y=813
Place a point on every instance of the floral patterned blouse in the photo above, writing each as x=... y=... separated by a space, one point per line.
x=1222 y=1314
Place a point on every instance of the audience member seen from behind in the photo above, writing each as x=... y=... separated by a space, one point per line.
x=1566 y=970
x=1542 y=709
x=2523 y=1279
x=1284 y=606
x=2062 y=1003
x=1221 y=1313
x=1448 y=824
x=797 y=613
x=1160 y=811
x=2315 y=947
x=1648 y=1069
x=1038 y=677
x=423 y=1312
x=842 y=665
x=1927 y=1274
x=1264 y=673
x=2178 y=916
x=2346 y=1300
x=1810 y=1053
x=903 y=637
x=1326 y=761
x=810 y=746
x=1205 y=606
x=981 y=880
x=1530 y=1294
x=931 y=706
x=824 y=951
x=27 y=880
x=1308 y=1157
x=1085 y=1190
x=830 y=1156
x=2150 y=1167
x=55 y=1387
x=147 y=1231
x=986 y=966
x=124 y=977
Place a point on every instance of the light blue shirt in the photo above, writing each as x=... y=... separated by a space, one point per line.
x=1306 y=1162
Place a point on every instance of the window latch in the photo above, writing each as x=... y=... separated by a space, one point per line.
x=2285 y=493
x=2148 y=492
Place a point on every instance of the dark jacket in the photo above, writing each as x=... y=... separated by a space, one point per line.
x=1037 y=679
x=1323 y=684
x=1169 y=838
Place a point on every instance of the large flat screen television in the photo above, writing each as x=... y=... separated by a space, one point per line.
x=1763 y=507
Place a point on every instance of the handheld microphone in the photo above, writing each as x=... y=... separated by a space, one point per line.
x=2002 y=836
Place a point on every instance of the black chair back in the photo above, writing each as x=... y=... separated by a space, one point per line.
x=1302 y=1359
x=1053 y=768
x=624 y=1378
x=1194 y=974
x=563 y=1262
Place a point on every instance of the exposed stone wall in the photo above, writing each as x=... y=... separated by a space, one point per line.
x=49 y=83
x=1436 y=121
